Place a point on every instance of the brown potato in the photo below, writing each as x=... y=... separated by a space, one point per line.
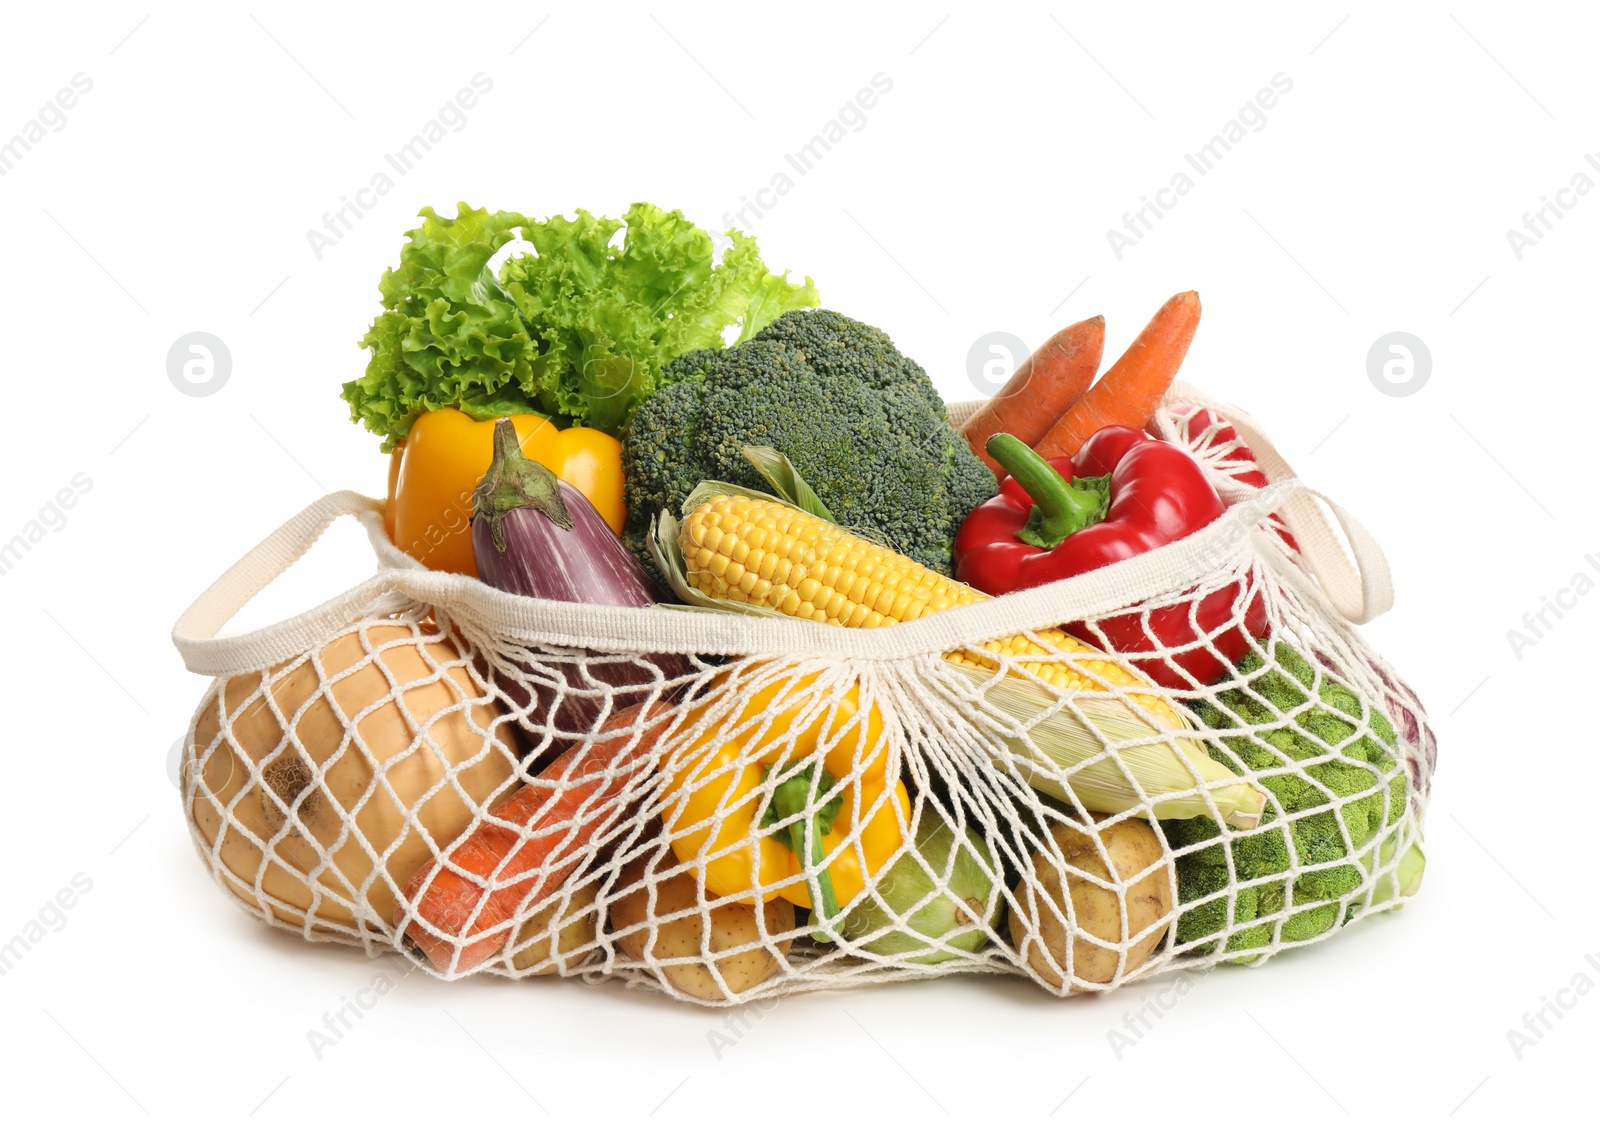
x=1131 y=846
x=531 y=951
x=732 y=925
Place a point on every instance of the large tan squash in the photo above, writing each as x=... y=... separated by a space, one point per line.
x=451 y=742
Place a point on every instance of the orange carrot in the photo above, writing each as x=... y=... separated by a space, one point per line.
x=1043 y=387
x=461 y=922
x=1132 y=388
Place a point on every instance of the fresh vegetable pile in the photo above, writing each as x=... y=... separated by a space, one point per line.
x=629 y=717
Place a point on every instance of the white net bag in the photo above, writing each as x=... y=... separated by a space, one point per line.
x=734 y=807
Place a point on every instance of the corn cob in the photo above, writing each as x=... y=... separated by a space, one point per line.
x=770 y=555
x=774 y=555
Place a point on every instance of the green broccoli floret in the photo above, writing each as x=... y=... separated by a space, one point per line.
x=859 y=421
x=1289 y=735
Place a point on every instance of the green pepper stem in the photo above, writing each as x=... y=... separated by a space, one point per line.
x=1060 y=508
x=514 y=481
x=812 y=833
x=804 y=837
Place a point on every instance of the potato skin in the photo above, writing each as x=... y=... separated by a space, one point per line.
x=732 y=925
x=582 y=916
x=1132 y=846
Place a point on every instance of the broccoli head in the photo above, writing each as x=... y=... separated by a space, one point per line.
x=859 y=421
x=1308 y=754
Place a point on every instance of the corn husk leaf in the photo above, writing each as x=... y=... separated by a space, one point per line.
x=774 y=466
x=1161 y=760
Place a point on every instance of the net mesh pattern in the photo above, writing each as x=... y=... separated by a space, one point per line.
x=729 y=827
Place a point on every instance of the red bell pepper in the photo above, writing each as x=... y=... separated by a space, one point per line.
x=1123 y=494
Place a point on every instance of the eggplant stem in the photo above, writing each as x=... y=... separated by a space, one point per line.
x=515 y=482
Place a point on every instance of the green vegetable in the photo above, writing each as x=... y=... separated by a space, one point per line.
x=447 y=334
x=579 y=331
x=858 y=420
x=909 y=892
x=1287 y=731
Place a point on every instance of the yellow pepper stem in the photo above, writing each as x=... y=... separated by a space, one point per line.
x=804 y=837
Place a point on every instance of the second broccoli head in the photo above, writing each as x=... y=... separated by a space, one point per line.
x=1304 y=736
x=859 y=421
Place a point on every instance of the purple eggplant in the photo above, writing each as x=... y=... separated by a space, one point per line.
x=534 y=535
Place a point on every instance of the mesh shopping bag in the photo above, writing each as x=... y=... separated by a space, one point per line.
x=766 y=805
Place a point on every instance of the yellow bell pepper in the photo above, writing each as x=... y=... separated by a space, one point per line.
x=435 y=469
x=719 y=781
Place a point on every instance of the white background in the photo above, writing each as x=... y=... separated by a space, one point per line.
x=975 y=199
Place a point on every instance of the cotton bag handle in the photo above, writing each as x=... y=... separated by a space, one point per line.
x=401 y=584
x=195 y=633
x=1360 y=590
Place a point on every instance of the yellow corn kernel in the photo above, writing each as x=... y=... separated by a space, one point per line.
x=821 y=572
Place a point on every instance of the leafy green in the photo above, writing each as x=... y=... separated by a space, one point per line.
x=448 y=334
x=580 y=329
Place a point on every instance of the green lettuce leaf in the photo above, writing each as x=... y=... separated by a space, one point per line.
x=579 y=329
x=448 y=333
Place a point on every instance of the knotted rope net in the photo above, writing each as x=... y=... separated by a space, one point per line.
x=730 y=808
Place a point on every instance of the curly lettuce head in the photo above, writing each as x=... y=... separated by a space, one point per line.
x=578 y=329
